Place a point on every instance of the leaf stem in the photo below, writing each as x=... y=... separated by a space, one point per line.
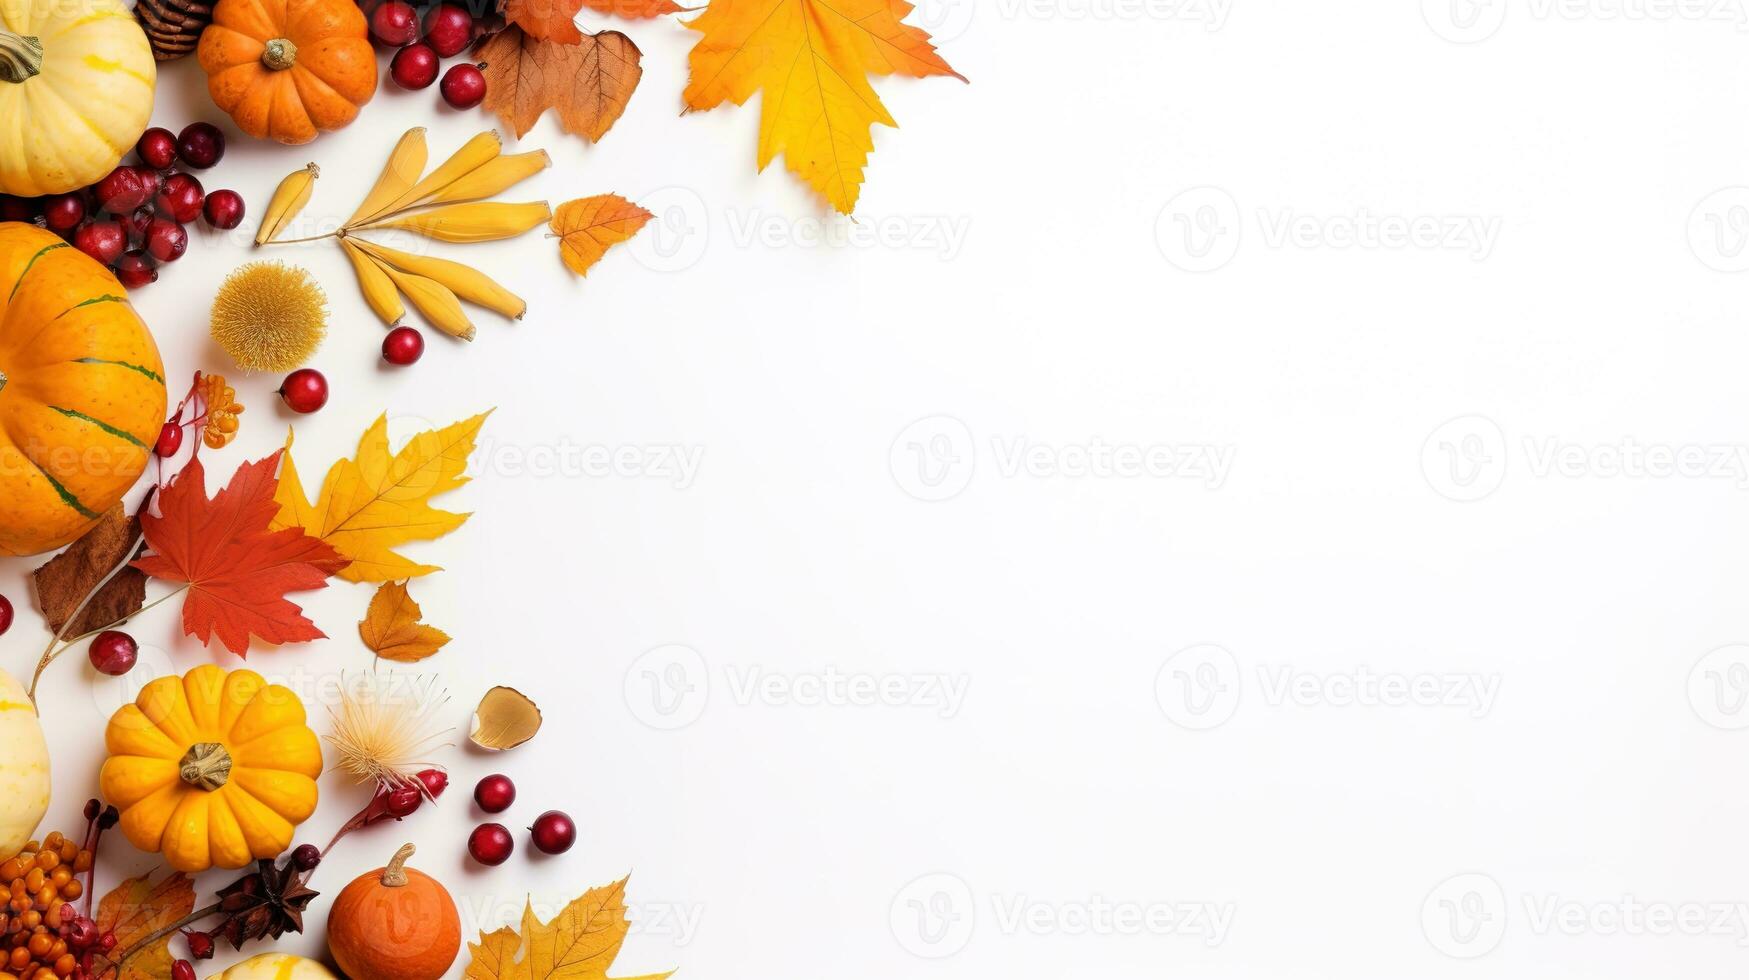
x=312 y=238
x=146 y=943
x=51 y=654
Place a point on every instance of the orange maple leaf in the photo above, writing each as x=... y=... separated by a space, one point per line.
x=811 y=60
x=589 y=226
x=235 y=569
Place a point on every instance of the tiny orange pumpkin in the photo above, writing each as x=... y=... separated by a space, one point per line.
x=288 y=70
x=394 y=923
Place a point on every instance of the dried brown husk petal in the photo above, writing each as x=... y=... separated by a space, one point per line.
x=505 y=719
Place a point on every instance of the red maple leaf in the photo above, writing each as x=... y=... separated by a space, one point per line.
x=236 y=569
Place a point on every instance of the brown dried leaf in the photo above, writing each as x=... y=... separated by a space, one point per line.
x=589 y=226
x=391 y=628
x=588 y=82
x=135 y=909
x=65 y=579
x=555 y=20
x=505 y=719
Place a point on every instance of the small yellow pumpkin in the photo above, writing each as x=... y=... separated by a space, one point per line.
x=211 y=768
x=276 y=966
x=24 y=768
x=76 y=83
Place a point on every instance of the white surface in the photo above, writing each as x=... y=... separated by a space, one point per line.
x=773 y=839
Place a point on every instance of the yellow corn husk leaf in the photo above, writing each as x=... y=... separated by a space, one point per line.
x=466 y=282
x=480 y=221
x=475 y=153
x=379 y=290
x=406 y=163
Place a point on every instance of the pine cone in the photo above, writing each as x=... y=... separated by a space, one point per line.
x=173 y=26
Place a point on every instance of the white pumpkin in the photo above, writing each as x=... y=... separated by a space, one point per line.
x=76 y=81
x=276 y=966
x=24 y=768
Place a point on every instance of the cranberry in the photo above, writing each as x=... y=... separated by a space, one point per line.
x=306 y=856
x=304 y=391
x=139 y=223
x=201 y=145
x=18 y=208
x=403 y=346
x=166 y=240
x=414 y=66
x=182 y=970
x=448 y=29
x=491 y=844
x=463 y=86
x=224 y=209
x=5 y=615
x=553 y=832
x=63 y=212
x=114 y=653
x=169 y=441
x=200 y=945
x=121 y=191
x=495 y=793
x=135 y=269
x=435 y=781
x=182 y=197
x=102 y=240
x=157 y=148
x=394 y=24
x=151 y=182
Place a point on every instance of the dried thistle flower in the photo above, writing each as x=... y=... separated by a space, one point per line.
x=269 y=316
x=383 y=727
x=222 y=409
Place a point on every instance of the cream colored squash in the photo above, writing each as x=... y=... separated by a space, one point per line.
x=76 y=81
x=276 y=966
x=24 y=768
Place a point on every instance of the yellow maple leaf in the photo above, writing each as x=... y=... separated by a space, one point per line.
x=589 y=226
x=392 y=630
x=580 y=942
x=811 y=60
x=380 y=500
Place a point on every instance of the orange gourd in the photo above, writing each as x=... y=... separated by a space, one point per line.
x=81 y=391
x=288 y=69
x=394 y=923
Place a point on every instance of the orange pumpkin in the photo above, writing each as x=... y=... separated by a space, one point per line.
x=394 y=923
x=288 y=69
x=81 y=391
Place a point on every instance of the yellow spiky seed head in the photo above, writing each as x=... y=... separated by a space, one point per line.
x=270 y=316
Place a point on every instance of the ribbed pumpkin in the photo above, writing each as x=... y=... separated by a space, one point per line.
x=76 y=83
x=211 y=768
x=288 y=69
x=81 y=391
x=24 y=768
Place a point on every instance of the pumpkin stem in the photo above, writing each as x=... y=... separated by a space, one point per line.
x=395 y=875
x=206 y=766
x=280 y=54
x=20 y=57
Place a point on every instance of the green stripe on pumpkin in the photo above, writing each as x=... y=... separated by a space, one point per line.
x=105 y=298
x=44 y=251
x=148 y=372
x=68 y=498
x=105 y=426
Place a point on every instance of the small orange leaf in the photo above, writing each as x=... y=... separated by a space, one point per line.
x=134 y=910
x=589 y=226
x=391 y=628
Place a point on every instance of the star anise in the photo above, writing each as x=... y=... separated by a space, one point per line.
x=264 y=903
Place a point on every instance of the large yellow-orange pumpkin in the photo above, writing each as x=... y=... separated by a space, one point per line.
x=81 y=391
x=288 y=69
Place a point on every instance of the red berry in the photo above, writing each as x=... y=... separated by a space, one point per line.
x=151 y=182
x=403 y=346
x=18 y=208
x=435 y=781
x=182 y=197
x=80 y=931
x=157 y=148
x=200 y=145
x=224 y=209
x=448 y=29
x=166 y=240
x=553 y=832
x=306 y=856
x=463 y=86
x=5 y=615
x=169 y=440
x=304 y=390
x=113 y=653
x=121 y=191
x=200 y=945
x=491 y=844
x=135 y=269
x=182 y=970
x=102 y=240
x=63 y=212
x=414 y=66
x=394 y=24
x=402 y=801
x=495 y=793
x=139 y=223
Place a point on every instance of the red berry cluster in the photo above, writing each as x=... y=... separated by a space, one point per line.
x=448 y=29
x=553 y=832
x=135 y=219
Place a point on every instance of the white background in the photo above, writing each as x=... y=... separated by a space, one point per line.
x=1036 y=288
